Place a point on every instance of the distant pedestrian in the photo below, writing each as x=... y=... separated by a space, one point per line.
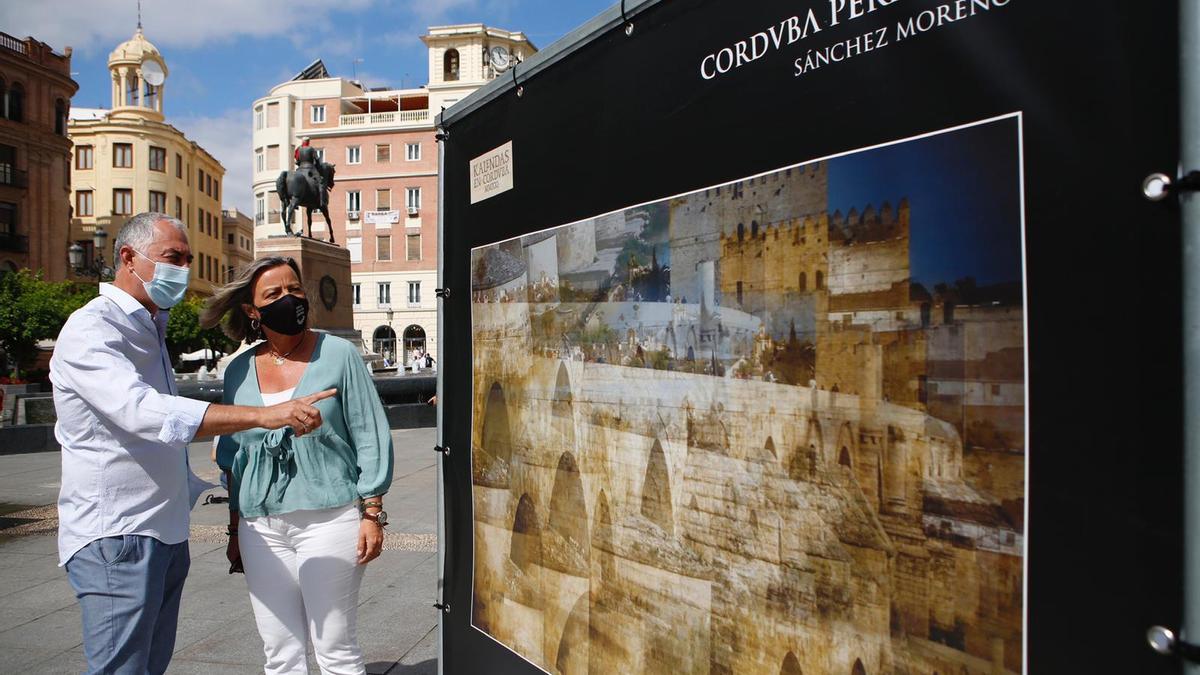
x=124 y=504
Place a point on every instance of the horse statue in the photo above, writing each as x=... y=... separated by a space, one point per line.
x=307 y=186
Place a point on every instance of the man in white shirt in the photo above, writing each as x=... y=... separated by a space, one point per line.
x=124 y=503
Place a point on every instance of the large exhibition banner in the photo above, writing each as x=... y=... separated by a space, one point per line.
x=800 y=392
x=758 y=304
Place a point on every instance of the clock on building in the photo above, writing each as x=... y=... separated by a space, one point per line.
x=328 y=292
x=501 y=59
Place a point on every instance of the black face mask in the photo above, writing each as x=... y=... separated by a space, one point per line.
x=287 y=315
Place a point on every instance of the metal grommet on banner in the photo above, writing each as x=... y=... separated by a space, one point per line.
x=1165 y=642
x=444 y=606
x=1157 y=186
x=628 y=23
x=442 y=292
x=443 y=449
x=520 y=89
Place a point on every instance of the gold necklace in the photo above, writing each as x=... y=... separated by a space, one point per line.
x=280 y=359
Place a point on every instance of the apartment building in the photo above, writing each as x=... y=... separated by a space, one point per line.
x=384 y=201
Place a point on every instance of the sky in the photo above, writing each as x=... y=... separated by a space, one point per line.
x=963 y=189
x=224 y=54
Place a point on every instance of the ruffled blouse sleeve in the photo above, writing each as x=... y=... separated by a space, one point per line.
x=228 y=445
x=367 y=424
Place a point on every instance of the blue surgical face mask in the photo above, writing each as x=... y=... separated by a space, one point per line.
x=167 y=286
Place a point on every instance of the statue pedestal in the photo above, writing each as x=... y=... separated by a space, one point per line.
x=325 y=269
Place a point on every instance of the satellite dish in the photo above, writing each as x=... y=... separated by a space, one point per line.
x=153 y=73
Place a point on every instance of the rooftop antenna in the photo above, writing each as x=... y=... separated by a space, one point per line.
x=139 y=4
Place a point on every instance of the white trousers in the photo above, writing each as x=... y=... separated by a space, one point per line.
x=303 y=576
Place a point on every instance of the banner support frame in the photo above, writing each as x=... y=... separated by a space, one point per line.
x=1189 y=158
x=440 y=598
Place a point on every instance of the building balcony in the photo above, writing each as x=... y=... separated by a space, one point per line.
x=13 y=44
x=36 y=52
x=13 y=177
x=17 y=243
x=400 y=118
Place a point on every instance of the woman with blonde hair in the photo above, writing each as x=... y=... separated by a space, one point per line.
x=306 y=512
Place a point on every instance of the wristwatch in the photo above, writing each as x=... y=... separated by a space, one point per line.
x=379 y=518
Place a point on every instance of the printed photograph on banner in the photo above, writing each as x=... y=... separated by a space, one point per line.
x=776 y=425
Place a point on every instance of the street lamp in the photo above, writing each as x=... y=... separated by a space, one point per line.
x=95 y=267
x=396 y=356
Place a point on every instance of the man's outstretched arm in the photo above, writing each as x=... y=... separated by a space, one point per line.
x=300 y=414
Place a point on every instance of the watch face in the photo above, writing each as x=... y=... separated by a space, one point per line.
x=328 y=291
x=381 y=518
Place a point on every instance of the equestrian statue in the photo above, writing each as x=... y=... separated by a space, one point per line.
x=307 y=186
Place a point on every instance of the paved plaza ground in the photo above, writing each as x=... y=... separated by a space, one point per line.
x=39 y=619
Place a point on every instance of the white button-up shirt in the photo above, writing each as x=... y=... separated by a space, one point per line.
x=122 y=427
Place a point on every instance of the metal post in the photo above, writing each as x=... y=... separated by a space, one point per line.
x=441 y=371
x=1189 y=157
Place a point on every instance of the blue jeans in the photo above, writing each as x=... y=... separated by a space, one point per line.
x=128 y=589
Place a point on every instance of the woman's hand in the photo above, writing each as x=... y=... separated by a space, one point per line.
x=370 y=541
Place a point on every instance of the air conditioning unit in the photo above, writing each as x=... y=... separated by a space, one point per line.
x=412 y=210
x=352 y=215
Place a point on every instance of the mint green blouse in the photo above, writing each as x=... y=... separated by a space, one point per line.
x=348 y=457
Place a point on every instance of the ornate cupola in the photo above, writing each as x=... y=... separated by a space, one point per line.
x=138 y=73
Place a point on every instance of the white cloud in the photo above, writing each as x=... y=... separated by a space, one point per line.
x=102 y=24
x=373 y=80
x=425 y=13
x=228 y=138
x=432 y=10
x=184 y=81
x=405 y=38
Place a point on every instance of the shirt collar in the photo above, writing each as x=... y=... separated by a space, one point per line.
x=125 y=301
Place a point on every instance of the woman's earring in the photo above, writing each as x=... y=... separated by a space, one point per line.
x=255 y=324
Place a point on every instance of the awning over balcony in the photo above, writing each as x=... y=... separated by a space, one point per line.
x=378 y=102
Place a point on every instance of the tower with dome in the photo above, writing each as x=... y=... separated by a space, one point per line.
x=138 y=78
x=129 y=158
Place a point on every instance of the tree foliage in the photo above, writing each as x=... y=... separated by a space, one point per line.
x=32 y=310
x=184 y=333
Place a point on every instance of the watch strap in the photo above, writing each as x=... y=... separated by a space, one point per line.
x=379 y=517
